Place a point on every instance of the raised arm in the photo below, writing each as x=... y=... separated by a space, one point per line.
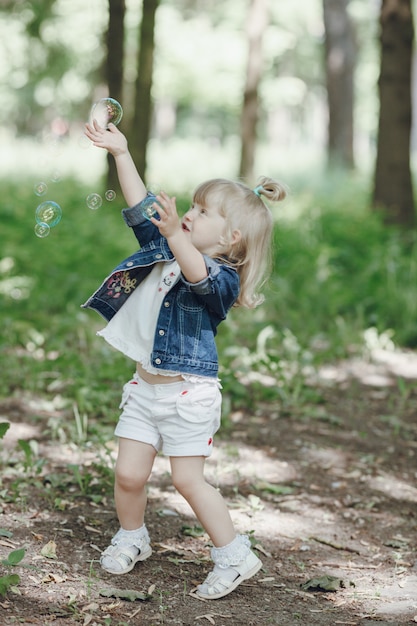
x=190 y=260
x=115 y=143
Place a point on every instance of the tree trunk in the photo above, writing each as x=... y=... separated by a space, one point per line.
x=140 y=132
x=256 y=24
x=393 y=190
x=340 y=55
x=114 y=68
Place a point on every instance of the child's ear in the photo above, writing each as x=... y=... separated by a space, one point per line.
x=236 y=236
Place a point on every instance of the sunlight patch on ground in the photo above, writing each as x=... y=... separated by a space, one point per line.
x=381 y=369
x=327 y=458
x=21 y=430
x=392 y=487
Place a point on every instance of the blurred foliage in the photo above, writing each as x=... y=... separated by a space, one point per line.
x=53 y=55
x=339 y=276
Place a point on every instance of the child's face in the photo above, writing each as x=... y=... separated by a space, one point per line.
x=205 y=227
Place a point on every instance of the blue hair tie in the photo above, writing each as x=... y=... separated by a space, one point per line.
x=257 y=190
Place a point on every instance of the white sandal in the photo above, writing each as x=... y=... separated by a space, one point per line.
x=125 y=551
x=215 y=586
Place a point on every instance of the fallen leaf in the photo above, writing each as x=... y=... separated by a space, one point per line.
x=324 y=583
x=395 y=543
x=124 y=594
x=193 y=531
x=34 y=579
x=4 y=605
x=167 y=513
x=259 y=548
x=112 y=606
x=53 y=578
x=49 y=550
x=93 y=530
x=94 y=547
x=210 y=617
x=207 y=617
x=273 y=488
x=93 y=606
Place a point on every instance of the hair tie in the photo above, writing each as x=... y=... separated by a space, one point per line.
x=257 y=190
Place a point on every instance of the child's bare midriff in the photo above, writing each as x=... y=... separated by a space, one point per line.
x=156 y=379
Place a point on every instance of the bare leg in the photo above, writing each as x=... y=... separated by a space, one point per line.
x=206 y=502
x=133 y=468
x=131 y=543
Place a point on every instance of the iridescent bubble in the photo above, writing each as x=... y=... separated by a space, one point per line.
x=48 y=212
x=106 y=111
x=56 y=176
x=40 y=188
x=42 y=230
x=94 y=201
x=147 y=208
x=110 y=195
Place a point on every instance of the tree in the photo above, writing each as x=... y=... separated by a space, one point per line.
x=256 y=24
x=340 y=54
x=140 y=131
x=393 y=190
x=114 y=66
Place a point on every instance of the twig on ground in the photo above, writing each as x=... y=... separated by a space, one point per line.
x=336 y=546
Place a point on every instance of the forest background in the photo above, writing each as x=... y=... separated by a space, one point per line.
x=319 y=97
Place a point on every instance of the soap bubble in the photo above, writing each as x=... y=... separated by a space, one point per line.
x=105 y=111
x=94 y=201
x=42 y=229
x=147 y=208
x=110 y=195
x=40 y=188
x=56 y=176
x=48 y=212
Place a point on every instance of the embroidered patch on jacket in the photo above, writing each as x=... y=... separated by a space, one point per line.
x=167 y=282
x=120 y=283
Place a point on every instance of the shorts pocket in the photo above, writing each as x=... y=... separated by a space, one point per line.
x=127 y=391
x=200 y=404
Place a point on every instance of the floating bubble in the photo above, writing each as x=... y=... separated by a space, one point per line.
x=55 y=146
x=106 y=111
x=42 y=229
x=56 y=176
x=48 y=212
x=40 y=188
x=147 y=208
x=110 y=195
x=94 y=201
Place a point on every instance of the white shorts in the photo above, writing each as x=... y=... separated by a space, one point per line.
x=178 y=418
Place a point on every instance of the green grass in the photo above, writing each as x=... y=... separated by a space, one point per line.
x=337 y=272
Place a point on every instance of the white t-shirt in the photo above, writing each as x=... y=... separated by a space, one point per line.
x=132 y=329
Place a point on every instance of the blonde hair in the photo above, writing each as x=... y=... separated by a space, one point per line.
x=246 y=212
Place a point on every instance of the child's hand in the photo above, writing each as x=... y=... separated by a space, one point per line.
x=111 y=140
x=169 y=222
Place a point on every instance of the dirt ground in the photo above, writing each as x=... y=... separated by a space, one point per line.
x=328 y=496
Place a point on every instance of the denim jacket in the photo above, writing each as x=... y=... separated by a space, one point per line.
x=190 y=312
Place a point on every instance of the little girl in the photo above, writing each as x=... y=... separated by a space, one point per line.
x=163 y=305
